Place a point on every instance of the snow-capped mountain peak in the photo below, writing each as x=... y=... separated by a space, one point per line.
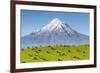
x=55 y=23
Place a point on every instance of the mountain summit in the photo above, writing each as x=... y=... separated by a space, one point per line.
x=55 y=32
x=54 y=24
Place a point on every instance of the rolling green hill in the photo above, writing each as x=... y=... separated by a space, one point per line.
x=54 y=53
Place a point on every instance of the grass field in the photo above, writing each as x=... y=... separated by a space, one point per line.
x=54 y=53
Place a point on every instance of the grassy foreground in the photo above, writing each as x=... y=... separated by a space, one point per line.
x=54 y=53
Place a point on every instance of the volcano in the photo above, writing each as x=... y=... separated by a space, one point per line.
x=55 y=33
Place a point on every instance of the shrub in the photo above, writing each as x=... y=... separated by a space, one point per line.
x=35 y=58
x=36 y=51
x=44 y=59
x=53 y=48
x=74 y=57
x=57 y=51
x=49 y=46
x=59 y=59
x=39 y=50
x=30 y=55
x=23 y=62
x=36 y=47
x=48 y=52
x=84 y=52
x=22 y=49
x=78 y=58
x=28 y=47
x=63 y=54
x=69 y=51
x=78 y=50
x=36 y=55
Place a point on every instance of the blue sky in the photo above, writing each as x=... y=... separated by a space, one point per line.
x=32 y=20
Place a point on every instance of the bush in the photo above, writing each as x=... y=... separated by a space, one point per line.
x=28 y=47
x=23 y=62
x=30 y=55
x=53 y=48
x=69 y=51
x=59 y=59
x=22 y=49
x=48 y=52
x=84 y=52
x=35 y=58
x=63 y=54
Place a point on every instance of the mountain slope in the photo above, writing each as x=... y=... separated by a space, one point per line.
x=54 y=33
